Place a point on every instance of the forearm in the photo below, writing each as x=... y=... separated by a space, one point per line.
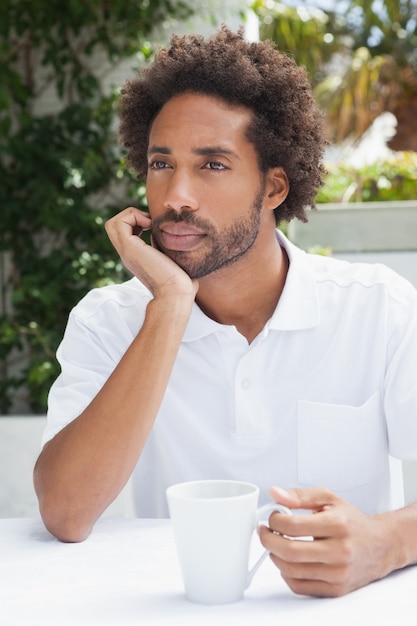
x=82 y=470
x=398 y=538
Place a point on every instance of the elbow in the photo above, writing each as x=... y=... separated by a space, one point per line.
x=65 y=521
x=63 y=525
x=67 y=533
x=60 y=519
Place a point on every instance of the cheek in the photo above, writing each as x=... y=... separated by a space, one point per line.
x=153 y=199
x=236 y=200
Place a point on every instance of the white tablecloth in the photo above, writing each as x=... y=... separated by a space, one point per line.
x=127 y=573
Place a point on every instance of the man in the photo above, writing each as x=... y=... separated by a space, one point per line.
x=231 y=353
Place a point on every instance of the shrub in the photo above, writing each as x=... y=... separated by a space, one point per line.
x=61 y=174
x=393 y=179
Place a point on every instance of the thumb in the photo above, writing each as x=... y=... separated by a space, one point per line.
x=288 y=497
x=313 y=498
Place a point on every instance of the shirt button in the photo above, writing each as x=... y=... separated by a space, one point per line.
x=246 y=383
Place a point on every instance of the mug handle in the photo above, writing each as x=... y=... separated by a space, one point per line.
x=262 y=512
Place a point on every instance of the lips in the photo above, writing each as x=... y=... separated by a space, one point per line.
x=180 y=236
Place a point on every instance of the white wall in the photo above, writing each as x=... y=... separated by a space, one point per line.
x=20 y=438
x=19 y=447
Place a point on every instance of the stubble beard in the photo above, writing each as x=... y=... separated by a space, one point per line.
x=227 y=247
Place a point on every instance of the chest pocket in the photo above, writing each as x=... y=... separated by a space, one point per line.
x=341 y=447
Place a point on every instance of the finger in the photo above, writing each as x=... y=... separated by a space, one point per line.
x=330 y=523
x=291 y=556
x=289 y=550
x=317 y=588
x=324 y=572
x=316 y=579
x=332 y=550
x=135 y=219
x=132 y=212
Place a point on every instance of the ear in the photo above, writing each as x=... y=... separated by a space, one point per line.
x=277 y=187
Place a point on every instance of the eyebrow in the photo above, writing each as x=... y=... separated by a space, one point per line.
x=207 y=151
x=158 y=150
x=214 y=150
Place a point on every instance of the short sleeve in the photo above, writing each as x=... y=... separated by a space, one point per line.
x=99 y=331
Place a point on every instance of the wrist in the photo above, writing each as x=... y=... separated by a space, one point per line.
x=171 y=306
x=398 y=536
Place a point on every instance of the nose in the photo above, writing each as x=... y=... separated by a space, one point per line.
x=181 y=193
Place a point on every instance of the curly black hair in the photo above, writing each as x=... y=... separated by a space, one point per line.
x=287 y=129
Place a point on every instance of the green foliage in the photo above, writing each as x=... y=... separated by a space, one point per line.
x=61 y=173
x=309 y=34
x=385 y=27
x=394 y=179
x=360 y=55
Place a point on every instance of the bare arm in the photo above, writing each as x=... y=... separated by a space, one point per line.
x=350 y=549
x=85 y=466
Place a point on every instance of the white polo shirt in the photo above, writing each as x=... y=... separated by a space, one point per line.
x=321 y=397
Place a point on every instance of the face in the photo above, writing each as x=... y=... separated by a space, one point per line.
x=204 y=188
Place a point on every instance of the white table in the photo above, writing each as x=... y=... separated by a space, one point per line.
x=126 y=573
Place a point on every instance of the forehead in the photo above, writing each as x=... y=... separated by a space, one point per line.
x=208 y=117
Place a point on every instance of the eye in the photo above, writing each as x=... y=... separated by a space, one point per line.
x=215 y=165
x=158 y=165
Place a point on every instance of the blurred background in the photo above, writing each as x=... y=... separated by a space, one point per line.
x=62 y=172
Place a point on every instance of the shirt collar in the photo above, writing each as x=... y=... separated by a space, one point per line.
x=298 y=306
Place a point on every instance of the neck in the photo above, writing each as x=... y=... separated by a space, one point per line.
x=246 y=293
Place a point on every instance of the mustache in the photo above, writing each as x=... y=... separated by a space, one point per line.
x=187 y=217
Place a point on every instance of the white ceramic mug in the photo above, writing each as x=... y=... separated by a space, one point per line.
x=213 y=523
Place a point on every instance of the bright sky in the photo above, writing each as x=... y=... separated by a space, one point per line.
x=335 y=5
x=328 y=5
